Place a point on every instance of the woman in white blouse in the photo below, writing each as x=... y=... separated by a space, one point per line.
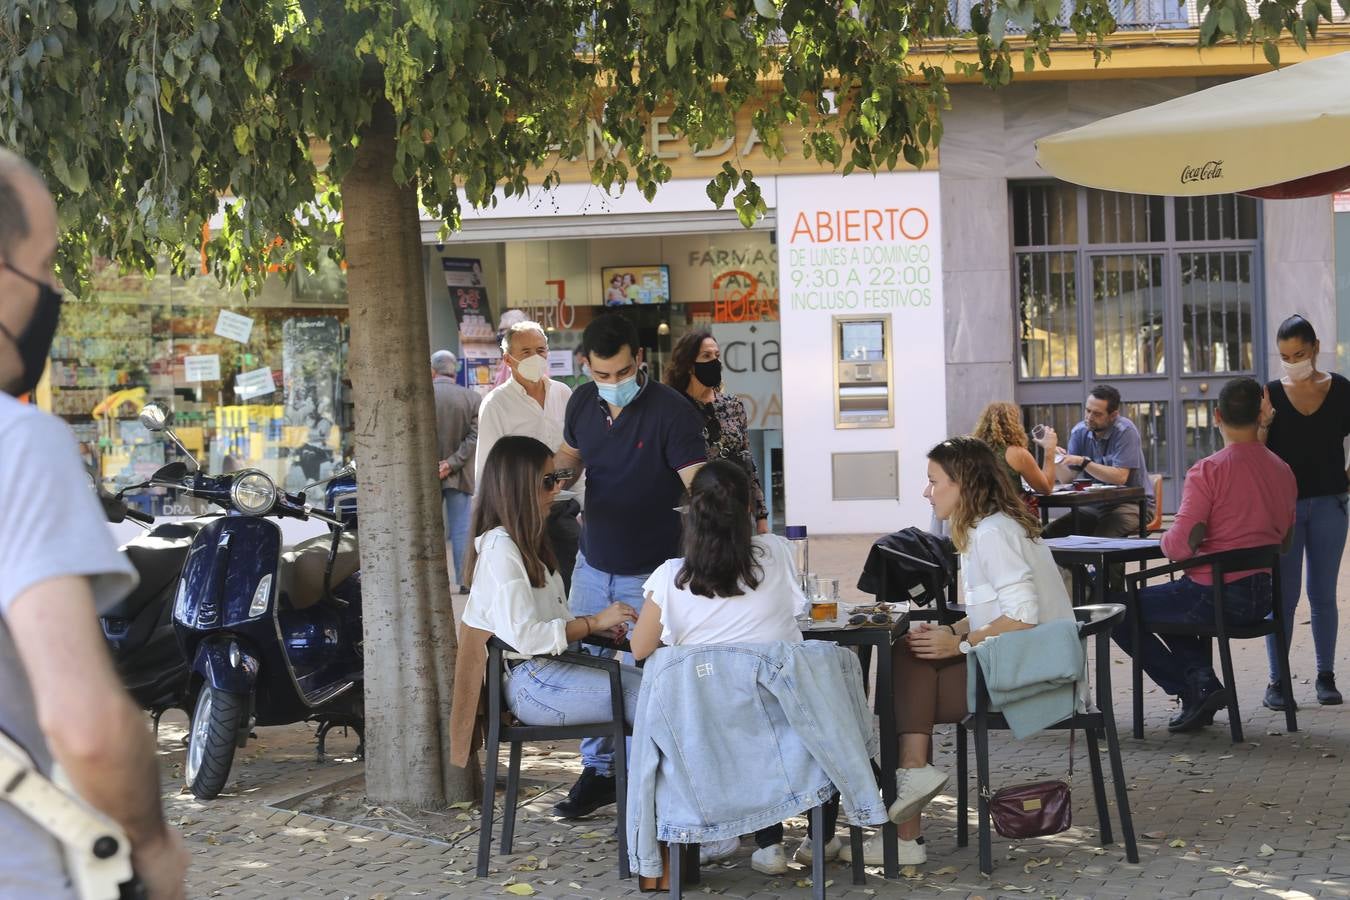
x=1011 y=583
x=517 y=594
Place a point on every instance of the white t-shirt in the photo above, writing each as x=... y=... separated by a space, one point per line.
x=760 y=616
x=51 y=526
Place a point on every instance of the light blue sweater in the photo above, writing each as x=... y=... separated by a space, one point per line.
x=1030 y=674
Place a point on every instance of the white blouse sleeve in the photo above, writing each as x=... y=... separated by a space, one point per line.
x=504 y=599
x=1005 y=567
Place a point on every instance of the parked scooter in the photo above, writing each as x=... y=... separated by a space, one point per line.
x=139 y=628
x=271 y=637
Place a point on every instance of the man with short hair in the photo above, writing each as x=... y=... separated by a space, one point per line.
x=532 y=404
x=1242 y=497
x=60 y=698
x=456 y=441
x=1106 y=447
x=641 y=443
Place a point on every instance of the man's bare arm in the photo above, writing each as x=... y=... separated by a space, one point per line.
x=94 y=730
x=569 y=458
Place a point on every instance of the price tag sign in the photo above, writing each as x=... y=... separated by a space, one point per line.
x=560 y=364
x=257 y=383
x=201 y=368
x=234 y=326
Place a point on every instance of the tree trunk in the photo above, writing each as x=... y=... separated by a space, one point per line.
x=409 y=622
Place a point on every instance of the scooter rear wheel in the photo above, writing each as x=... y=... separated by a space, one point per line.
x=216 y=721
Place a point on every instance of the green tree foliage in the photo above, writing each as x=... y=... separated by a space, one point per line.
x=143 y=113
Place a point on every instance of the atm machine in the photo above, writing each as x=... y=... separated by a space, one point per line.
x=864 y=391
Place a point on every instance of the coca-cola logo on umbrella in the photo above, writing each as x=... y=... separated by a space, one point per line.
x=1210 y=171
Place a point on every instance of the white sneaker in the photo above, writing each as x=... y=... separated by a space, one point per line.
x=914 y=789
x=911 y=853
x=716 y=850
x=804 y=852
x=770 y=860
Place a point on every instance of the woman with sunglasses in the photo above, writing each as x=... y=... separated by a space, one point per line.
x=731 y=587
x=1011 y=583
x=695 y=370
x=517 y=594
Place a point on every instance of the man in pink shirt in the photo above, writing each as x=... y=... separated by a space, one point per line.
x=1242 y=497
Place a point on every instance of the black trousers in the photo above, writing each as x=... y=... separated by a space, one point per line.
x=767 y=837
x=564 y=533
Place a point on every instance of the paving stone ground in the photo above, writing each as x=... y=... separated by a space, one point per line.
x=1269 y=817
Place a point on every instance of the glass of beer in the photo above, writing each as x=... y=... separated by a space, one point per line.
x=824 y=607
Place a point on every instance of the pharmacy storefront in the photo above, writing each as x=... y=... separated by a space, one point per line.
x=829 y=313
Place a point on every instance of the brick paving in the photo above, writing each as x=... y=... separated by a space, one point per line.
x=1266 y=818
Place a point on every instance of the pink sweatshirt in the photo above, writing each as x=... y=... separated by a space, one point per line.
x=1245 y=495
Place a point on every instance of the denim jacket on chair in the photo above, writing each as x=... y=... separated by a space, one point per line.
x=731 y=738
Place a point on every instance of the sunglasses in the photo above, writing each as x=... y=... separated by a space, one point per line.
x=557 y=477
x=872 y=618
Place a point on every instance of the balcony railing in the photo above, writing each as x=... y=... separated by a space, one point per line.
x=1141 y=15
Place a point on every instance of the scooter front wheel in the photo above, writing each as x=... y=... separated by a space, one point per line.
x=216 y=721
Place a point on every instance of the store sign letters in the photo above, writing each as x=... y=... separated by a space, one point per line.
x=234 y=326
x=860 y=260
x=201 y=368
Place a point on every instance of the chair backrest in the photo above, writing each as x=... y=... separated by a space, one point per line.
x=1241 y=560
x=1156 y=524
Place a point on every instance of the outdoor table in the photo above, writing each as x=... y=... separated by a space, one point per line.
x=878 y=638
x=1067 y=498
x=1078 y=551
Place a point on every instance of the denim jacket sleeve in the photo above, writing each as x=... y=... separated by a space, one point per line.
x=813 y=678
x=644 y=850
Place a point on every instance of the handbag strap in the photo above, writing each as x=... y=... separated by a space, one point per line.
x=1073 y=732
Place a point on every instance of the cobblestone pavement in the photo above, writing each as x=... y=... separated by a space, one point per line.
x=1266 y=818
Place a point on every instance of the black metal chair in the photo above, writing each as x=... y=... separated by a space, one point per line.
x=1094 y=621
x=1220 y=629
x=503 y=727
x=684 y=865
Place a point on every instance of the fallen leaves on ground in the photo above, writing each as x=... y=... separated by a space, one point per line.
x=520 y=889
x=1266 y=850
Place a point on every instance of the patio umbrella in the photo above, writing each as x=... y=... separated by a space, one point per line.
x=1279 y=135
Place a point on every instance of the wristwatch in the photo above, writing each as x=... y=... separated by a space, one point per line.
x=964 y=647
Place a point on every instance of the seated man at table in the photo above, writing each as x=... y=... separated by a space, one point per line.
x=1241 y=497
x=1105 y=447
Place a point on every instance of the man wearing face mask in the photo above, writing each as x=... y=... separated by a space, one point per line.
x=1106 y=447
x=531 y=404
x=60 y=698
x=640 y=443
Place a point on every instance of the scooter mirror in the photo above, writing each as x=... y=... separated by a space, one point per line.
x=153 y=417
x=173 y=471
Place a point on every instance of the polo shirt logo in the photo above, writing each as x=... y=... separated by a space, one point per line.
x=639 y=445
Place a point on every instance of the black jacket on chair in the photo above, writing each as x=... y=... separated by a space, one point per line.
x=930 y=570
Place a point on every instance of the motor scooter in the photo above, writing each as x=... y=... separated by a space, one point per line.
x=271 y=637
x=139 y=628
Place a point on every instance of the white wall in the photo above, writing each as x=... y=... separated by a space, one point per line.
x=918 y=356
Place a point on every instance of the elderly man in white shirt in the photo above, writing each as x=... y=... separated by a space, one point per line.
x=532 y=404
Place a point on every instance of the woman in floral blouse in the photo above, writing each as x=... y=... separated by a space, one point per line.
x=696 y=370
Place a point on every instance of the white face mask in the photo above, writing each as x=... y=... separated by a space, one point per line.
x=1299 y=371
x=532 y=368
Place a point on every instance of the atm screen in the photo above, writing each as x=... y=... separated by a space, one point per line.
x=862 y=341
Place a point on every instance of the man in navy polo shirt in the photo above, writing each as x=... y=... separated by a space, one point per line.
x=641 y=444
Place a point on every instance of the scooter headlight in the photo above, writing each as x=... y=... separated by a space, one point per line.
x=253 y=493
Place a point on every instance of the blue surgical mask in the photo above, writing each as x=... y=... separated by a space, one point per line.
x=620 y=394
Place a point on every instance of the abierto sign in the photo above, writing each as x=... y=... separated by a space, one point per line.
x=855 y=248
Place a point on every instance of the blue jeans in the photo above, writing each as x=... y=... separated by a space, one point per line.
x=1171 y=659
x=546 y=691
x=592 y=591
x=458 y=505
x=1319 y=534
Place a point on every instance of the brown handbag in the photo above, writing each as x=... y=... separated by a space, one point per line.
x=1034 y=810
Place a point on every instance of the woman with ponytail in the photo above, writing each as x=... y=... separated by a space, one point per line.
x=732 y=586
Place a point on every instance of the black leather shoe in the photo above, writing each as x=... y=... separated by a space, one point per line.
x=1327 y=695
x=1203 y=698
x=591 y=792
x=1275 y=698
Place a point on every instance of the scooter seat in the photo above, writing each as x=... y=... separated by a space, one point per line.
x=157 y=556
x=301 y=580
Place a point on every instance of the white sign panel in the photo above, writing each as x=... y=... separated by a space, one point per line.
x=871 y=246
x=560 y=364
x=1341 y=202
x=201 y=368
x=234 y=326
x=248 y=385
x=752 y=369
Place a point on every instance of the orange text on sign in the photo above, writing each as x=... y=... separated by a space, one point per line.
x=856 y=226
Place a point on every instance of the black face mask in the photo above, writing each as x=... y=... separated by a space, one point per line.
x=709 y=374
x=36 y=341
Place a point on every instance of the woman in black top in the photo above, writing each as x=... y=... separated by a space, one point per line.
x=1305 y=422
x=695 y=370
